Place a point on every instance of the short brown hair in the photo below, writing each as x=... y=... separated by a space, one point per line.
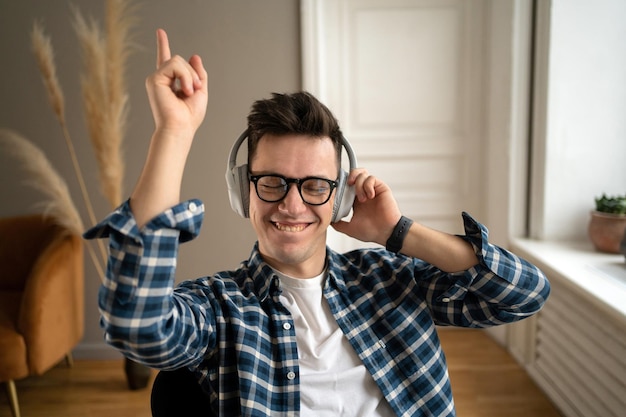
x=296 y=113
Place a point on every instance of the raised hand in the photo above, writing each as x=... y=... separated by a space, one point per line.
x=178 y=93
x=177 y=90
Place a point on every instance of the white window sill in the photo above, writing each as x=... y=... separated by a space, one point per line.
x=599 y=276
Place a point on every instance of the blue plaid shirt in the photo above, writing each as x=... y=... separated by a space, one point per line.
x=233 y=331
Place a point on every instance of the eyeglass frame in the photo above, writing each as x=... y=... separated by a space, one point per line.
x=298 y=181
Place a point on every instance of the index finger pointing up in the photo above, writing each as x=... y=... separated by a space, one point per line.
x=163 y=48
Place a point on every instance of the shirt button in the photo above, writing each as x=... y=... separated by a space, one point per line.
x=193 y=207
x=291 y=375
x=287 y=326
x=445 y=300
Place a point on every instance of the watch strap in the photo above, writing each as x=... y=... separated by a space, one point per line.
x=395 y=241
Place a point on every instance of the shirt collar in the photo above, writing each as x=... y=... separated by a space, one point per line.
x=266 y=282
x=263 y=276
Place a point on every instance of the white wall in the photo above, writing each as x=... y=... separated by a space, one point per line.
x=250 y=50
x=584 y=153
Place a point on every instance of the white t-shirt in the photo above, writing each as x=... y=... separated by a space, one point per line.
x=333 y=380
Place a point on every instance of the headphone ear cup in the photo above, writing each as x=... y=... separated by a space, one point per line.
x=344 y=198
x=239 y=190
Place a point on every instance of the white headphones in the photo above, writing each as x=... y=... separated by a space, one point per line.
x=239 y=184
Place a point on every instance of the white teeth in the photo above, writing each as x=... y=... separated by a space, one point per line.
x=287 y=228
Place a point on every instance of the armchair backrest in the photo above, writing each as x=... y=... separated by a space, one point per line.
x=22 y=240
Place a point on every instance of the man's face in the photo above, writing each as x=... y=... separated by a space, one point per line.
x=291 y=233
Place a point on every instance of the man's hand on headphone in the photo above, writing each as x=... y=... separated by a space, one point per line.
x=375 y=210
x=177 y=90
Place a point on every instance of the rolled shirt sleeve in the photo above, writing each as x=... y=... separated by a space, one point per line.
x=135 y=299
x=501 y=288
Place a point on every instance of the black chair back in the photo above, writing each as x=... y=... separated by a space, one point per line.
x=177 y=393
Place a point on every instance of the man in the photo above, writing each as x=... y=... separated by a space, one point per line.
x=298 y=329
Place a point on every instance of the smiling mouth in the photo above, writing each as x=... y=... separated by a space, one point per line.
x=290 y=227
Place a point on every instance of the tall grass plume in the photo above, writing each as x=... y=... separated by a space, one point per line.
x=104 y=96
x=44 y=55
x=41 y=176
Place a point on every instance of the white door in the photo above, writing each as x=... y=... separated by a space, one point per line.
x=405 y=78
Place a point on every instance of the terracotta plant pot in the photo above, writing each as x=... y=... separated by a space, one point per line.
x=606 y=231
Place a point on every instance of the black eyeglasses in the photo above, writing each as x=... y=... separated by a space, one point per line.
x=313 y=190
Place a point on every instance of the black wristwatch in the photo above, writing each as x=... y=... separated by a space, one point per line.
x=395 y=241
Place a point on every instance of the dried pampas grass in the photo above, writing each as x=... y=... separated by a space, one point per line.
x=104 y=94
x=42 y=176
x=93 y=82
x=105 y=99
x=119 y=20
x=44 y=54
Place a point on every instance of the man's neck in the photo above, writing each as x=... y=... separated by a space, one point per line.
x=304 y=270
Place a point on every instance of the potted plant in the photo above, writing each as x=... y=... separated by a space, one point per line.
x=607 y=225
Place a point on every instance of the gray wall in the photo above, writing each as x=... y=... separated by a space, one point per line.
x=250 y=49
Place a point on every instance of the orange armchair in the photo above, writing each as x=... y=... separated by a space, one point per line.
x=41 y=297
